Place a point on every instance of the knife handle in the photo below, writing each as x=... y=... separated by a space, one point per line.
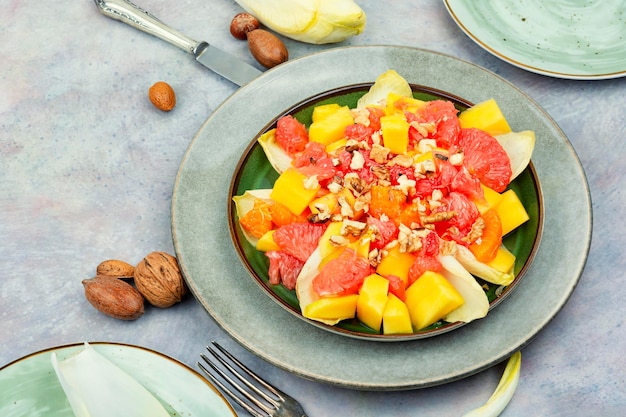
x=127 y=12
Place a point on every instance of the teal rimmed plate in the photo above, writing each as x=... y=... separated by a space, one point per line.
x=573 y=39
x=254 y=171
x=222 y=285
x=29 y=386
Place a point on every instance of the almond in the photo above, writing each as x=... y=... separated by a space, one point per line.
x=267 y=48
x=114 y=297
x=162 y=96
x=115 y=268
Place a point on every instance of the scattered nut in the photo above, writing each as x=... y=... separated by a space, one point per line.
x=159 y=280
x=114 y=297
x=162 y=96
x=241 y=24
x=115 y=268
x=267 y=48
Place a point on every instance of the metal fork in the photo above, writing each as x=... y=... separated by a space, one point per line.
x=254 y=394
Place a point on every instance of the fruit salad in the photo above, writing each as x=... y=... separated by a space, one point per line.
x=386 y=212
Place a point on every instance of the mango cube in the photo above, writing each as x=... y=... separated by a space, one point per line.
x=396 y=263
x=511 y=212
x=266 y=242
x=323 y=111
x=504 y=261
x=486 y=116
x=430 y=298
x=395 y=130
x=492 y=199
x=336 y=145
x=326 y=203
x=332 y=127
x=332 y=308
x=324 y=244
x=396 y=318
x=399 y=104
x=292 y=191
x=372 y=301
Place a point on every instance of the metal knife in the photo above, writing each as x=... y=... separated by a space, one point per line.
x=224 y=64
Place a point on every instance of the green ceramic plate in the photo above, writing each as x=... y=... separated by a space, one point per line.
x=255 y=172
x=29 y=386
x=222 y=285
x=575 y=39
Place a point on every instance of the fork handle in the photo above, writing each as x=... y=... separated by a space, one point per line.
x=135 y=16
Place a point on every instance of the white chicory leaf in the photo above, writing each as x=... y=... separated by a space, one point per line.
x=310 y=21
x=245 y=202
x=504 y=391
x=482 y=270
x=476 y=303
x=519 y=147
x=276 y=155
x=387 y=82
x=96 y=387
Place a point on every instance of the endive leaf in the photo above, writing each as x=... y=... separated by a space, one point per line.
x=387 y=82
x=504 y=391
x=96 y=387
x=245 y=202
x=476 y=303
x=519 y=147
x=276 y=155
x=311 y=21
x=481 y=270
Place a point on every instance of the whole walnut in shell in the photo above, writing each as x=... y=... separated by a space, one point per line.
x=159 y=280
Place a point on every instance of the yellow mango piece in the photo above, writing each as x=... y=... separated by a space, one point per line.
x=430 y=298
x=290 y=190
x=266 y=242
x=492 y=199
x=504 y=261
x=396 y=318
x=335 y=146
x=396 y=263
x=324 y=245
x=327 y=203
x=511 y=212
x=331 y=127
x=397 y=103
x=362 y=245
x=372 y=301
x=395 y=130
x=486 y=116
x=332 y=308
x=323 y=111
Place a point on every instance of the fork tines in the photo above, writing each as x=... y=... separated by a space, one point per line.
x=251 y=392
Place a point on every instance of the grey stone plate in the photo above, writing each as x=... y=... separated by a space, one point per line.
x=233 y=299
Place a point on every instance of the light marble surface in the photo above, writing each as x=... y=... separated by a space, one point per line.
x=87 y=167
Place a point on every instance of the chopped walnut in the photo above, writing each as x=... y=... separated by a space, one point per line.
x=338 y=240
x=352 y=145
x=379 y=153
x=361 y=116
x=381 y=172
x=355 y=184
x=438 y=217
x=346 y=208
x=425 y=167
x=357 y=161
x=410 y=240
x=374 y=257
x=402 y=160
x=376 y=138
x=352 y=228
x=447 y=247
x=406 y=185
x=311 y=183
x=456 y=158
x=426 y=145
x=476 y=231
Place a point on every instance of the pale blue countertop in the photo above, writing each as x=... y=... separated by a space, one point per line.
x=87 y=168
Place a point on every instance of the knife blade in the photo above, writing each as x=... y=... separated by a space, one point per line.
x=220 y=62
